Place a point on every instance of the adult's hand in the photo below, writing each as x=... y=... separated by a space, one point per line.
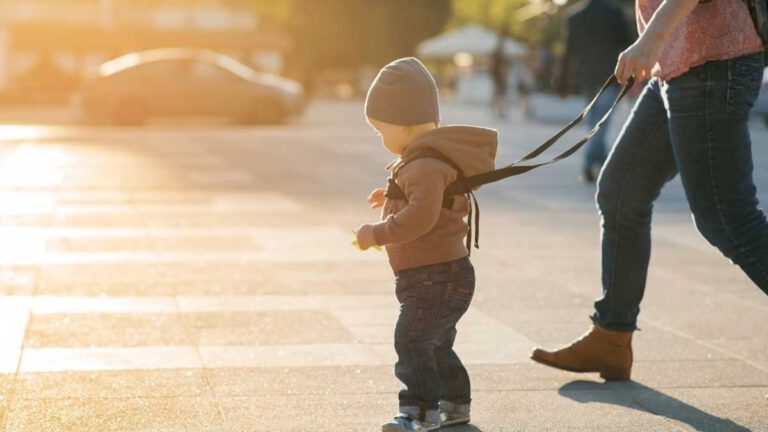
x=639 y=59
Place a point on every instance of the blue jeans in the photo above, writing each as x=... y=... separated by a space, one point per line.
x=596 y=152
x=432 y=300
x=694 y=125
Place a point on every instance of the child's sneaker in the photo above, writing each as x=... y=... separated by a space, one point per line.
x=407 y=422
x=453 y=414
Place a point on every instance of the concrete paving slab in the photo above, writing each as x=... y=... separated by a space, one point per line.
x=100 y=244
x=147 y=287
x=207 y=243
x=315 y=381
x=321 y=413
x=166 y=383
x=223 y=328
x=203 y=243
x=656 y=344
x=80 y=274
x=46 y=305
x=18 y=280
x=270 y=328
x=753 y=351
x=552 y=326
x=704 y=318
x=129 y=414
x=6 y=391
x=14 y=316
x=109 y=358
x=229 y=356
x=247 y=219
x=106 y=330
x=27 y=220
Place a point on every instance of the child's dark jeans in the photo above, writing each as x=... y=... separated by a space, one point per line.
x=432 y=300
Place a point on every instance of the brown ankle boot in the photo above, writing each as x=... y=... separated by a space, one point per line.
x=599 y=350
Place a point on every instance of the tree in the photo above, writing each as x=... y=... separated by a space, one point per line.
x=351 y=33
x=537 y=22
x=396 y=27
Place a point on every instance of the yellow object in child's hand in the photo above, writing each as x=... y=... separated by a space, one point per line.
x=357 y=245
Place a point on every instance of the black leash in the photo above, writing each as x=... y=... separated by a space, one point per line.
x=470 y=183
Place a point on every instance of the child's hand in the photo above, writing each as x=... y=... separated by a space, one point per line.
x=376 y=198
x=365 y=238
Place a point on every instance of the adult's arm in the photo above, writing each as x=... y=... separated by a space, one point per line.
x=639 y=59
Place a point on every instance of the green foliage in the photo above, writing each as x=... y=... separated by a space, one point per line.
x=530 y=21
x=494 y=14
x=275 y=11
x=537 y=22
x=350 y=33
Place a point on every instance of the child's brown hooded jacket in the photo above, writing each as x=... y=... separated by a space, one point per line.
x=420 y=231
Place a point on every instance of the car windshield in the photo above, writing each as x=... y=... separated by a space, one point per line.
x=135 y=59
x=236 y=67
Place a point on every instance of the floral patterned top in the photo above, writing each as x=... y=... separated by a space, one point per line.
x=714 y=30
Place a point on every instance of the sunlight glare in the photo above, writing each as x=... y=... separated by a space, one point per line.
x=32 y=166
x=19 y=132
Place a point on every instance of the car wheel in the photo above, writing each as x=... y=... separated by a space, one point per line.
x=267 y=111
x=129 y=113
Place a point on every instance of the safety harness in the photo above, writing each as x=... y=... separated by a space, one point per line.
x=464 y=185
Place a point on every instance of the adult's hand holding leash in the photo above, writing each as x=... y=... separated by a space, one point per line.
x=638 y=60
x=641 y=58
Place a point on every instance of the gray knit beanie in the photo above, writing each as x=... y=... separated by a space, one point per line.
x=404 y=94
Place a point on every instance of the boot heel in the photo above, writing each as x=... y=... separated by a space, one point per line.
x=623 y=375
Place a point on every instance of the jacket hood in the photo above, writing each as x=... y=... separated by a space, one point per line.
x=471 y=148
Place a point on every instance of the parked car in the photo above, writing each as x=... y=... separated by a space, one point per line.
x=187 y=82
x=761 y=104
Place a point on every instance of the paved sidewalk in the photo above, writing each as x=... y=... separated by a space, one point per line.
x=201 y=278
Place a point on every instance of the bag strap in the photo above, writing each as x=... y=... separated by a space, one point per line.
x=514 y=169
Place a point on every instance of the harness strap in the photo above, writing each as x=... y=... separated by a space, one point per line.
x=396 y=192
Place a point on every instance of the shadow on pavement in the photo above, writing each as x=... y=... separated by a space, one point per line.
x=462 y=428
x=646 y=399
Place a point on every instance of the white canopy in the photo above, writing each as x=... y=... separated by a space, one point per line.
x=473 y=39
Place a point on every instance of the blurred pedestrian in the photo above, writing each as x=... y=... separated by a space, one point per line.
x=596 y=33
x=499 y=69
x=705 y=61
x=524 y=82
